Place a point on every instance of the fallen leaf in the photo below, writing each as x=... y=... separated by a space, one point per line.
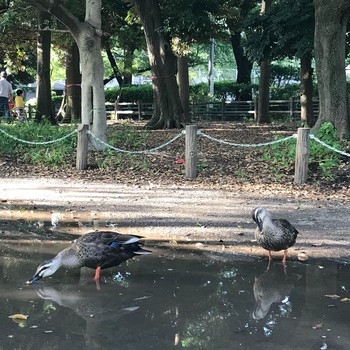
x=19 y=316
x=303 y=256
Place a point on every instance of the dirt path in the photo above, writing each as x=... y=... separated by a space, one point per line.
x=179 y=215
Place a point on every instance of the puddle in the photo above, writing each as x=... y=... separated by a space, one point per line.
x=171 y=299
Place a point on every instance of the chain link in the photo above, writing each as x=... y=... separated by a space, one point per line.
x=136 y=152
x=200 y=133
x=246 y=144
x=38 y=142
x=328 y=146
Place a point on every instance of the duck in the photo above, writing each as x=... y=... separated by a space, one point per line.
x=273 y=286
x=97 y=250
x=273 y=234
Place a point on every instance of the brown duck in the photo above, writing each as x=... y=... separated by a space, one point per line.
x=273 y=234
x=97 y=250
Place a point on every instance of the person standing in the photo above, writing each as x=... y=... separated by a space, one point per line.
x=5 y=94
x=19 y=105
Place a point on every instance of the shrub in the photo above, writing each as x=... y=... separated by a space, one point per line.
x=282 y=156
x=132 y=93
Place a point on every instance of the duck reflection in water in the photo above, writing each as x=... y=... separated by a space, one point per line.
x=100 y=311
x=87 y=304
x=273 y=286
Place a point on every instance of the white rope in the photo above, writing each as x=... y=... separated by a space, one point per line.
x=136 y=152
x=328 y=146
x=38 y=142
x=246 y=144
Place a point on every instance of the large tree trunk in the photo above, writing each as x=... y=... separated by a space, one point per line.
x=93 y=96
x=128 y=59
x=73 y=84
x=43 y=83
x=244 y=66
x=184 y=86
x=306 y=91
x=87 y=35
x=331 y=19
x=264 y=92
x=168 y=111
x=264 y=82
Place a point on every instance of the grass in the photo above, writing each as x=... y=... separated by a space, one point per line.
x=282 y=156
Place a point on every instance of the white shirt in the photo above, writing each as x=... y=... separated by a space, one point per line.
x=5 y=88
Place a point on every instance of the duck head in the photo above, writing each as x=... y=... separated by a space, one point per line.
x=259 y=215
x=46 y=269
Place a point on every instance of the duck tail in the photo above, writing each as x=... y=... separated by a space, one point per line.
x=142 y=252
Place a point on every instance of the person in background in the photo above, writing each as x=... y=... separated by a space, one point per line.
x=5 y=94
x=19 y=105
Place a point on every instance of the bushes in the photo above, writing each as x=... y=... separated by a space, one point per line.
x=226 y=89
x=132 y=93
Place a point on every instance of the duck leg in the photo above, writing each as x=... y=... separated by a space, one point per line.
x=97 y=273
x=284 y=257
x=270 y=259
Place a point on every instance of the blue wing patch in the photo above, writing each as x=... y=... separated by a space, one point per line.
x=115 y=244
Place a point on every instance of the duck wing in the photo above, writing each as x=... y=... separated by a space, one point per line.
x=107 y=248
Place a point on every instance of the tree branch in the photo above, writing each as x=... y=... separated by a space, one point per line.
x=55 y=8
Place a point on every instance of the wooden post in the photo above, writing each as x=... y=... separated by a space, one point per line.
x=302 y=156
x=191 y=151
x=291 y=107
x=139 y=109
x=82 y=147
x=255 y=108
x=223 y=109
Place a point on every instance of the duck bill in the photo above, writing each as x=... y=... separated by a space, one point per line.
x=34 y=279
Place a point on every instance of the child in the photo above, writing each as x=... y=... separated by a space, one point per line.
x=19 y=105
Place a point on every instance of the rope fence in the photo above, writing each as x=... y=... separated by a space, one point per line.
x=191 y=133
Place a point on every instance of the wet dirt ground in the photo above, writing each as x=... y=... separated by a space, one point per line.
x=183 y=216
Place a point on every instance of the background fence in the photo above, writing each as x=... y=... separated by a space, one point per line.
x=223 y=110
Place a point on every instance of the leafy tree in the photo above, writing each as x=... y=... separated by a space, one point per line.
x=282 y=32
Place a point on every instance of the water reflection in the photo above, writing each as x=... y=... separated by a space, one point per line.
x=272 y=287
x=102 y=311
x=196 y=300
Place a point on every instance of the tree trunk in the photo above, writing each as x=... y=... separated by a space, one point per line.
x=43 y=83
x=168 y=111
x=73 y=85
x=93 y=96
x=331 y=19
x=184 y=86
x=264 y=82
x=128 y=59
x=113 y=64
x=87 y=35
x=264 y=92
x=306 y=91
x=244 y=66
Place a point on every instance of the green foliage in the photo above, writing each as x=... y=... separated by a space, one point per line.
x=285 y=30
x=131 y=93
x=52 y=155
x=230 y=90
x=285 y=92
x=127 y=138
x=282 y=156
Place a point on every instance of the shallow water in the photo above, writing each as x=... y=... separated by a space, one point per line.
x=173 y=299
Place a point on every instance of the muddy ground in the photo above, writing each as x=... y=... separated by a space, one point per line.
x=175 y=215
x=149 y=195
